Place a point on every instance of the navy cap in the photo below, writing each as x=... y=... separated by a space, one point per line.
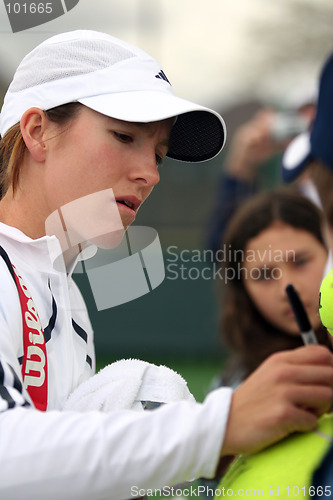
x=317 y=143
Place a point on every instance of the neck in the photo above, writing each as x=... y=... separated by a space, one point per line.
x=17 y=212
x=32 y=224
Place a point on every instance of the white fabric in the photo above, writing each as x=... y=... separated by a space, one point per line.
x=298 y=149
x=67 y=351
x=92 y=455
x=126 y=384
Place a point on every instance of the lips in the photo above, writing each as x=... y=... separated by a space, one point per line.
x=130 y=202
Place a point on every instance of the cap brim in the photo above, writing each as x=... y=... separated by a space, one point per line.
x=296 y=156
x=198 y=134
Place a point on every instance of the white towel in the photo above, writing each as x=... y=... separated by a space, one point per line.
x=129 y=384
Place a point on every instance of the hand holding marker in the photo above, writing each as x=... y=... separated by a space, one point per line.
x=307 y=333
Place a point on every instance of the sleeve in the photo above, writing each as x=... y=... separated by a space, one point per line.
x=120 y=455
x=231 y=193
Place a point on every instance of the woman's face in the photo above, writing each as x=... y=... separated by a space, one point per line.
x=96 y=153
x=279 y=255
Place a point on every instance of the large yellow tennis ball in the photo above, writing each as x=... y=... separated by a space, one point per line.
x=326 y=302
x=283 y=470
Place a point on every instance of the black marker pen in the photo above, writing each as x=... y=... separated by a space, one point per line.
x=307 y=333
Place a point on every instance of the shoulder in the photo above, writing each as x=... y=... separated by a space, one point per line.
x=10 y=310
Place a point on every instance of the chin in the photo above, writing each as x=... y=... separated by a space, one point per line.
x=293 y=332
x=289 y=328
x=110 y=240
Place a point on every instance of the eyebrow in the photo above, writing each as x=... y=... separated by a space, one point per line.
x=163 y=142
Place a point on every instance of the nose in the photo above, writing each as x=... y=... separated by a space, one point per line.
x=285 y=279
x=146 y=171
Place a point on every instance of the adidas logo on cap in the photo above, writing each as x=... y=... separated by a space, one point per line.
x=162 y=76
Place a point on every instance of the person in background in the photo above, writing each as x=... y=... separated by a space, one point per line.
x=311 y=154
x=254 y=150
x=273 y=239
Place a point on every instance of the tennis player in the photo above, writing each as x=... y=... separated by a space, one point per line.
x=85 y=123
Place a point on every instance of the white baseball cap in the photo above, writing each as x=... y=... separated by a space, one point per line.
x=116 y=79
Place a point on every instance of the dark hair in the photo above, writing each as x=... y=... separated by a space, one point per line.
x=13 y=148
x=244 y=331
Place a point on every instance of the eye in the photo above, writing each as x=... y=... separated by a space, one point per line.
x=159 y=160
x=301 y=261
x=123 y=137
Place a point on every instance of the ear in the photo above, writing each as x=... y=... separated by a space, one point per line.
x=33 y=126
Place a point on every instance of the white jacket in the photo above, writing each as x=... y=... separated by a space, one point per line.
x=69 y=455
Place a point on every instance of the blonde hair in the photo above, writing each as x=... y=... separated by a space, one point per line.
x=13 y=148
x=12 y=151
